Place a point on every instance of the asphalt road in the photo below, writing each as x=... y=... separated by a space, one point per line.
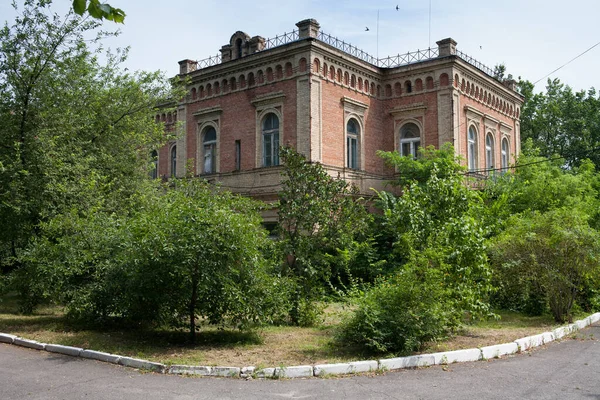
x=569 y=369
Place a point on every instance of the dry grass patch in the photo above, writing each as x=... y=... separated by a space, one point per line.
x=508 y=328
x=269 y=347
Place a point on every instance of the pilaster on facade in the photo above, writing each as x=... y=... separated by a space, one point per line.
x=336 y=105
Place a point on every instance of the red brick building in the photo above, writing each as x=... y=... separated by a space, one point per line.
x=338 y=106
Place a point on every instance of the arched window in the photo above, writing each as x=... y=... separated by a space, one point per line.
x=505 y=154
x=352 y=140
x=489 y=151
x=472 y=149
x=209 y=145
x=410 y=140
x=173 y=161
x=270 y=138
x=154 y=167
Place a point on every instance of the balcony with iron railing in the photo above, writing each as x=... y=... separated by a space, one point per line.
x=398 y=60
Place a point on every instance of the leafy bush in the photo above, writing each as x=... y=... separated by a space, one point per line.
x=553 y=255
x=191 y=253
x=402 y=312
x=437 y=246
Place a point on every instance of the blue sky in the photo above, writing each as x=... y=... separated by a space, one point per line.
x=532 y=37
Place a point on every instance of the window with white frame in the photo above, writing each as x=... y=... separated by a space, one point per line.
x=209 y=146
x=352 y=141
x=173 y=161
x=472 y=149
x=505 y=153
x=410 y=139
x=489 y=151
x=270 y=140
x=154 y=166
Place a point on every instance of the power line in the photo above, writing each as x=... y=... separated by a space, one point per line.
x=567 y=63
x=547 y=159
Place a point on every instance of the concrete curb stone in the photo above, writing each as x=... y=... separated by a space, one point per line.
x=189 y=370
x=560 y=333
x=305 y=371
x=226 y=371
x=265 y=373
x=345 y=368
x=298 y=371
x=548 y=337
x=100 y=356
x=247 y=372
x=66 y=350
x=582 y=323
x=530 y=341
x=449 y=357
x=142 y=364
x=32 y=344
x=424 y=360
x=6 y=338
x=499 y=350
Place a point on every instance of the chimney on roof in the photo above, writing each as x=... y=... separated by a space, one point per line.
x=255 y=44
x=510 y=83
x=446 y=47
x=308 y=28
x=186 y=66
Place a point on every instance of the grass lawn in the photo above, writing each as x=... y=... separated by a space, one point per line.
x=271 y=346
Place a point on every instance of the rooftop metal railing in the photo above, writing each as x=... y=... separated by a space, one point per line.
x=387 y=62
x=346 y=48
x=408 y=58
x=279 y=40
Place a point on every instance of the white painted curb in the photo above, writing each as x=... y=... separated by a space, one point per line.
x=346 y=368
x=66 y=350
x=306 y=371
x=300 y=371
x=423 y=360
x=6 y=338
x=449 y=357
x=100 y=356
x=32 y=344
x=499 y=350
x=142 y=364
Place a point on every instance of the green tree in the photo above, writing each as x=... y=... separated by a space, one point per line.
x=191 y=253
x=552 y=254
x=540 y=184
x=437 y=248
x=319 y=216
x=562 y=122
x=75 y=133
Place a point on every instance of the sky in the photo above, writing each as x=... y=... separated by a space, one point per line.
x=531 y=37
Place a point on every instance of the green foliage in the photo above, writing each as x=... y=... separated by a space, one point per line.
x=319 y=216
x=419 y=170
x=402 y=312
x=537 y=184
x=75 y=132
x=437 y=248
x=192 y=252
x=562 y=122
x=551 y=255
x=99 y=10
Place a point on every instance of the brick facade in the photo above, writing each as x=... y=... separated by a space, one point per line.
x=314 y=89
